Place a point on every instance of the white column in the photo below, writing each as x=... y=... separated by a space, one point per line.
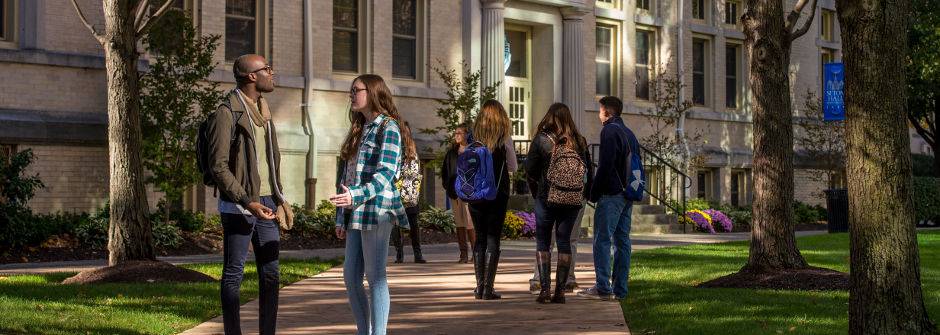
x=494 y=40
x=572 y=63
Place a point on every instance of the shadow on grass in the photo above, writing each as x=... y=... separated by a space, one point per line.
x=38 y=304
x=663 y=299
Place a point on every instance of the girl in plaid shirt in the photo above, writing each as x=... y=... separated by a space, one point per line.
x=369 y=204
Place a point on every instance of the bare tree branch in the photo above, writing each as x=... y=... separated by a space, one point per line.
x=142 y=29
x=141 y=10
x=926 y=134
x=809 y=22
x=81 y=16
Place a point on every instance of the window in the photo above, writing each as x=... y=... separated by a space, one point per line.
x=645 y=58
x=346 y=36
x=731 y=11
x=738 y=188
x=732 y=75
x=606 y=55
x=243 y=28
x=405 y=41
x=518 y=53
x=699 y=70
x=827 y=24
x=643 y=5
x=698 y=10
x=704 y=184
x=7 y=21
x=825 y=56
x=607 y=3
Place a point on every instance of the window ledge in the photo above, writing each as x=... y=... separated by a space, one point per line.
x=702 y=28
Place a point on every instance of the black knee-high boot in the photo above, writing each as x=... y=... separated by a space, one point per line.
x=479 y=268
x=561 y=275
x=544 y=261
x=492 y=263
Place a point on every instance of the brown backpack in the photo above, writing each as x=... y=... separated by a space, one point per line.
x=565 y=176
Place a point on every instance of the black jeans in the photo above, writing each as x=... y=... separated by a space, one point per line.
x=561 y=219
x=488 y=219
x=414 y=231
x=263 y=235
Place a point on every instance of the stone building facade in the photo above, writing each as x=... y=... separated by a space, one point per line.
x=540 y=51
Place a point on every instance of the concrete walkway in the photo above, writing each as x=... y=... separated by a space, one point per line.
x=433 y=298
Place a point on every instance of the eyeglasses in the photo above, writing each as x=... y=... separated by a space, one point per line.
x=267 y=68
x=354 y=90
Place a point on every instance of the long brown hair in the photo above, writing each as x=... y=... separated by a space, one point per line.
x=408 y=148
x=492 y=125
x=380 y=101
x=558 y=123
x=466 y=136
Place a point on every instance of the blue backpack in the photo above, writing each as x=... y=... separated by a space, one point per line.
x=636 y=175
x=476 y=180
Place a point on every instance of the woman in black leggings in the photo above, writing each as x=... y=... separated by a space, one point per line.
x=557 y=135
x=492 y=130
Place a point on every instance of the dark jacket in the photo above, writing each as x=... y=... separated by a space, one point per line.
x=616 y=143
x=449 y=172
x=235 y=170
x=536 y=167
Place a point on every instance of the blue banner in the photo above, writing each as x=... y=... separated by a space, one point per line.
x=833 y=92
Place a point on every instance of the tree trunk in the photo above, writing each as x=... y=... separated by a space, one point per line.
x=773 y=243
x=885 y=295
x=129 y=236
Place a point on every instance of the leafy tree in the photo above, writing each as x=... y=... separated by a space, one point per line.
x=174 y=99
x=923 y=73
x=663 y=118
x=465 y=94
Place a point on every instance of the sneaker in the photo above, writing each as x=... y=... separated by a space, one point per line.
x=593 y=293
x=535 y=287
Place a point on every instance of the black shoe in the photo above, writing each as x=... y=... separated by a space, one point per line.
x=561 y=274
x=544 y=261
x=418 y=258
x=399 y=255
x=492 y=263
x=479 y=269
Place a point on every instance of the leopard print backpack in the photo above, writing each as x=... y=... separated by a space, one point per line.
x=566 y=176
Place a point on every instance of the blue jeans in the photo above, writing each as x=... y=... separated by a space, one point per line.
x=366 y=255
x=238 y=232
x=612 y=223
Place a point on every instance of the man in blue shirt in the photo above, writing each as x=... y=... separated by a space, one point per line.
x=613 y=210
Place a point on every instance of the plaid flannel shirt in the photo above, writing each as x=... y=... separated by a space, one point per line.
x=379 y=197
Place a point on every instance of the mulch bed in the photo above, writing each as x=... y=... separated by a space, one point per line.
x=807 y=279
x=138 y=272
x=67 y=248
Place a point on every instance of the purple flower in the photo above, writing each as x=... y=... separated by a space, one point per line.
x=528 y=229
x=719 y=218
x=701 y=222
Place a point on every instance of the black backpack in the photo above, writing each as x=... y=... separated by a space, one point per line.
x=202 y=145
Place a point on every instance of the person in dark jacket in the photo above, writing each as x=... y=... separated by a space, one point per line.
x=556 y=130
x=466 y=237
x=246 y=169
x=612 y=215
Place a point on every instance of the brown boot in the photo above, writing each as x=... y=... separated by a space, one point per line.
x=462 y=244
x=544 y=261
x=561 y=277
x=472 y=236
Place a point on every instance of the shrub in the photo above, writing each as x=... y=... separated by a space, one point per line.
x=437 y=219
x=166 y=235
x=189 y=221
x=807 y=214
x=740 y=217
x=319 y=222
x=926 y=198
x=922 y=165
x=92 y=231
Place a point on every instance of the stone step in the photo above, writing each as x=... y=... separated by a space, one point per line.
x=649 y=209
x=654 y=219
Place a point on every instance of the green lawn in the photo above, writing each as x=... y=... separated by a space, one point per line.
x=663 y=299
x=38 y=304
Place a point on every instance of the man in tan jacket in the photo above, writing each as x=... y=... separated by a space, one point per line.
x=245 y=164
